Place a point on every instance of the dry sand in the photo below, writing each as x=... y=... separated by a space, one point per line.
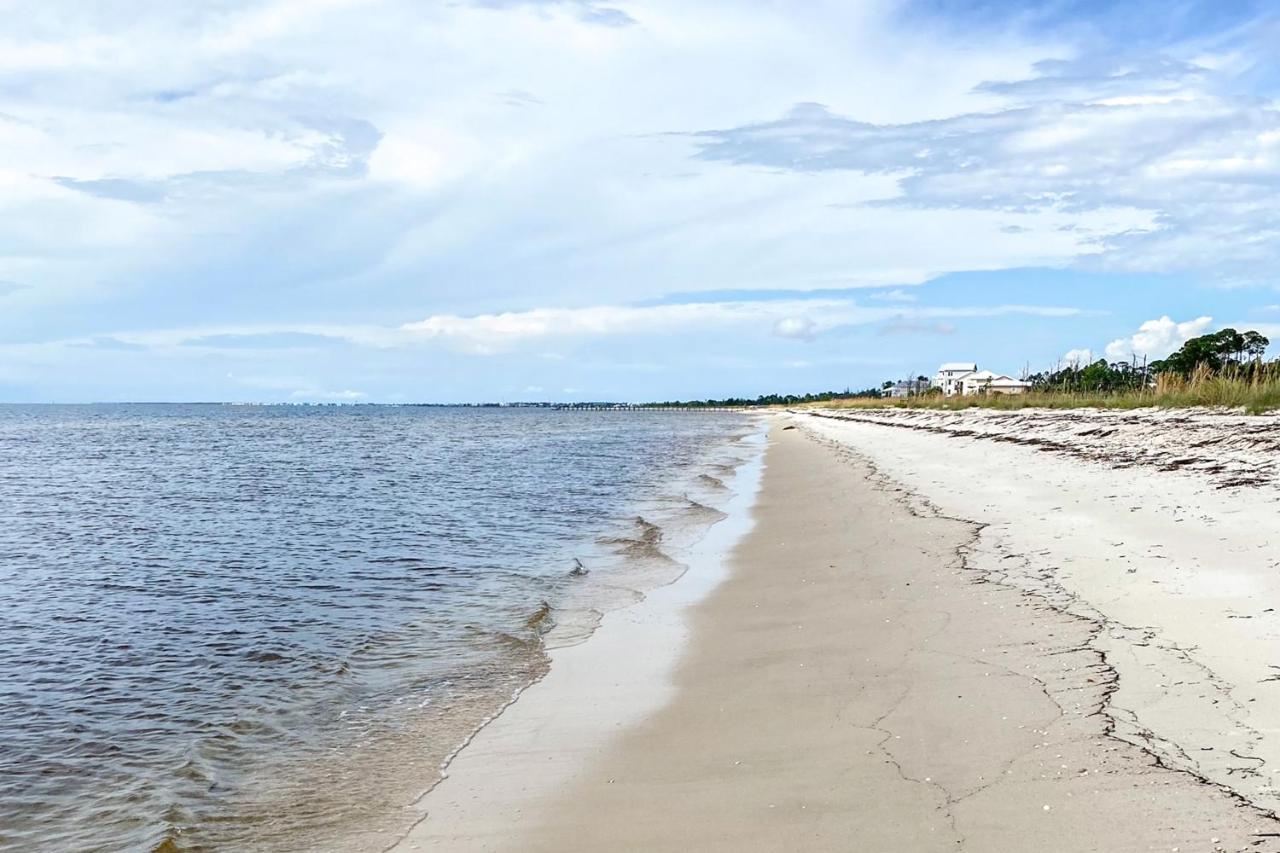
x=1225 y=449
x=1176 y=565
x=856 y=683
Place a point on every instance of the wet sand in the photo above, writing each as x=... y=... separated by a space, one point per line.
x=854 y=684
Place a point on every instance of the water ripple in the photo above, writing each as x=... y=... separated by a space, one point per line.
x=222 y=624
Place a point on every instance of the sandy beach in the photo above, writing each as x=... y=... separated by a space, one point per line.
x=919 y=644
x=1158 y=528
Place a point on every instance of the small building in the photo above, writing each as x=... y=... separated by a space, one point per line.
x=987 y=382
x=907 y=388
x=950 y=373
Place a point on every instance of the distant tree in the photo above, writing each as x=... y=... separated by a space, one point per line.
x=1098 y=376
x=772 y=399
x=1255 y=345
x=1215 y=351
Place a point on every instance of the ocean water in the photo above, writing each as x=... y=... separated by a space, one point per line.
x=264 y=628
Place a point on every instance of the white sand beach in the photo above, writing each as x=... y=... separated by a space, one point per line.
x=1161 y=529
x=923 y=643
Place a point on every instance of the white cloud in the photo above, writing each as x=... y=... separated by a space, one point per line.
x=901 y=325
x=488 y=334
x=1194 y=173
x=802 y=328
x=405 y=160
x=252 y=337
x=1078 y=358
x=1157 y=338
x=798 y=319
x=895 y=295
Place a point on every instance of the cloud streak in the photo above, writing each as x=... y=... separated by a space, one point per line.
x=795 y=319
x=1159 y=136
x=489 y=334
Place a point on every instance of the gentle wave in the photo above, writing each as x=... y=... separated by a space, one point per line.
x=266 y=627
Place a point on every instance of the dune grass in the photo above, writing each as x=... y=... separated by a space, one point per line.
x=1253 y=391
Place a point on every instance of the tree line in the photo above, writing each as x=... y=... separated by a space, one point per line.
x=1226 y=351
x=774 y=399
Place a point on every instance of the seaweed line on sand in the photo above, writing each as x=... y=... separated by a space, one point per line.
x=1056 y=600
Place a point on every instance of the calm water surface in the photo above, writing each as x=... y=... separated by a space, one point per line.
x=230 y=628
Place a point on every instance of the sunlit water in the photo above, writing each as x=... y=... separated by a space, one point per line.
x=233 y=628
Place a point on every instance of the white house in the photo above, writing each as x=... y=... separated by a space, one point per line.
x=987 y=382
x=965 y=378
x=906 y=388
x=949 y=373
x=1008 y=385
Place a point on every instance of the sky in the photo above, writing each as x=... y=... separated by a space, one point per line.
x=508 y=200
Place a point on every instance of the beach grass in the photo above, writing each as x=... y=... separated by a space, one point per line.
x=1255 y=391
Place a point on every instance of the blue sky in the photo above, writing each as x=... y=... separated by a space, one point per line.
x=391 y=200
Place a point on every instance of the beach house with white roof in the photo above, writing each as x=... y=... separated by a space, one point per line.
x=950 y=373
x=965 y=378
x=987 y=382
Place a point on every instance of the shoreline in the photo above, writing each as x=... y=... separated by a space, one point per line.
x=648 y=544
x=854 y=677
x=649 y=634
